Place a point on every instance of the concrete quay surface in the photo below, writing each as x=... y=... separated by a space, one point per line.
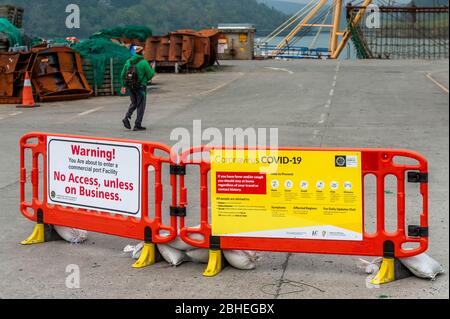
x=361 y=104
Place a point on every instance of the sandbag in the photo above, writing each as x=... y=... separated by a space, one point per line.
x=71 y=235
x=179 y=244
x=370 y=267
x=198 y=255
x=173 y=256
x=241 y=259
x=134 y=250
x=423 y=266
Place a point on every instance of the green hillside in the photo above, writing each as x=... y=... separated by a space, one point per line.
x=46 y=18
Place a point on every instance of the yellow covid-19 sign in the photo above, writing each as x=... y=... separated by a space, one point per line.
x=287 y=194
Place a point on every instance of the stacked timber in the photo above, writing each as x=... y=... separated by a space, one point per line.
x=13 y=14
x=4 y=43
x=110 y=85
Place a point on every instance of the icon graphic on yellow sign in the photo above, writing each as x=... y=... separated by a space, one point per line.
x=292 y=194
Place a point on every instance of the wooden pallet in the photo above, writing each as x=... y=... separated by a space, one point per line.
x=111 y=83
x=13 y=14
x=4 y=45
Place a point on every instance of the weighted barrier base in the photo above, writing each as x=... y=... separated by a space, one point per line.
x=147 y=257
x=391 y=269
x=42 y=233
x=214 y=263
x=36 y=237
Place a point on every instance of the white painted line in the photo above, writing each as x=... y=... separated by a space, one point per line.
x=81 y=114
x=280 y=69
x=316 y=132
x=4 y=116
x=90 y=111
x=437 y=83
x=240 y=74
x=322 y=118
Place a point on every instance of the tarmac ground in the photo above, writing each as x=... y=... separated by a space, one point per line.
x=358 y=104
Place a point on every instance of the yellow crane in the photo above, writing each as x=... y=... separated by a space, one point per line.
x=338 y=37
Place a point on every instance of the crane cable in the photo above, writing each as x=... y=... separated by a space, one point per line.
x=290 y=21
x=313 y=42
x=302 y=12
x=306 y=30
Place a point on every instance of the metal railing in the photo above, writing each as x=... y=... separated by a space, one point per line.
x=266 y=50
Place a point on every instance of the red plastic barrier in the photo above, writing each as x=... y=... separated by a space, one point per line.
x=379 y=162
x=97 y=221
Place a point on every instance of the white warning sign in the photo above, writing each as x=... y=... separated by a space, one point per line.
x=95 y=175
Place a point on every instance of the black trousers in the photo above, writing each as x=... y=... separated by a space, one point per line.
x=138 y=102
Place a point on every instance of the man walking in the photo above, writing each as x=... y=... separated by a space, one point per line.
x=135 y=75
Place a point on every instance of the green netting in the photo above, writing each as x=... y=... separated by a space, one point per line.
x=12 y=33
x=34 y=41
x=59 y=41
x=358 y=42
x=99 y=53
x=130 y=32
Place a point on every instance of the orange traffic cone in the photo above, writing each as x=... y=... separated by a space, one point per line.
x=27 y=94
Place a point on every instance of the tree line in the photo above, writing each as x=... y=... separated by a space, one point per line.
x=47 y=18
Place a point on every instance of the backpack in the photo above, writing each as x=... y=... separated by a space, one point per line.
x=132 y=78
